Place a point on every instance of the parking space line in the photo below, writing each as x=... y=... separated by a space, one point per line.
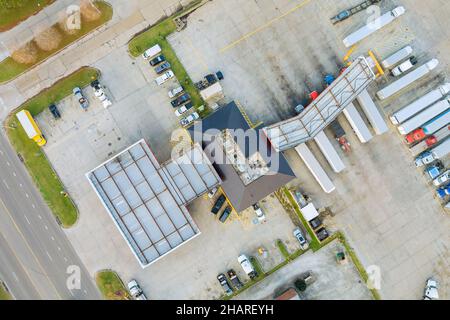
x=264 y=26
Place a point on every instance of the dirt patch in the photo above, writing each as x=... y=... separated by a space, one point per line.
x=26 y=54
x=48 y=39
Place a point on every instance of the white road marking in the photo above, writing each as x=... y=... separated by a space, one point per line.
x=21 y=185
x=45 y=226
x=26 y=195
x=15 y=276
x=39 y=216
x=14 y=174
x=71 y=293
x=34 y=207
x=59 y=248
x=4 y=182
x=8 y=164
x=49 y=256
x=65 y=259
x=1 y=152
x=26 y=218
x=85 y=292
x=53 y=238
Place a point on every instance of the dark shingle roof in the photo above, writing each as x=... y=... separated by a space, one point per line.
x=240 y=195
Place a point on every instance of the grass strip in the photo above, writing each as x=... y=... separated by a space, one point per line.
x=16 y=11
x=111 y=286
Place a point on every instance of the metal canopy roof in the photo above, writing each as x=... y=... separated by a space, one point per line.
x=145 y=204
x=322 y=111
x=192 y=174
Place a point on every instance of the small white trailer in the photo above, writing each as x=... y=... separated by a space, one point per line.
x=373 y=26
x=316 y=169
x=357 y=123
x=400 y=55
x=408 y=79
x=329 y=152
x=424 y=116
x=420 y=104
x=373 y=114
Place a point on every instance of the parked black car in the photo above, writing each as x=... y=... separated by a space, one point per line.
x=180 y=100
x=219 y=203
x=225 y=214
x=315 y=223
x=157 y=60
x=322 y=234
x=225 y=285
x=162 y=67
x=54 y=110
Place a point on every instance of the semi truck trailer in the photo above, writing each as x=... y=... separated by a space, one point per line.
x=434 y=154
x=424 y=116
x=408 y=79
x=357 y=123
x=329 y=152
x=373 y=115
x=430 y=141
x=373 y=26
x=31 y=129
x=420 y=104
x=316 y=169
x=400 y=55
x=436 y=123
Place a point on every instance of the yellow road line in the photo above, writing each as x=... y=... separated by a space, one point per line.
x=264 y=26
x=31 y=251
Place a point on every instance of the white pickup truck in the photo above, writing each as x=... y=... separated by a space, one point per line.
x=247 y=266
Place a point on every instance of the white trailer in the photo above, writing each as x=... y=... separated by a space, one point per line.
x=329 y=152
x=424 y=116
x=441 y=150
x=373 y=115
x=408 y=79
x=316 y=169
x=400 y=55
x=357 y=123
x=373 y=26
x=424 y=145
x=436 y=123
x=420 y=104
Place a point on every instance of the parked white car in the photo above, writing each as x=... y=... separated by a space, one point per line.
x=189 y=119
x=163 y=78
x=431 y=290
x=99 y=92
x=175 y=91
x=443 y=178
x=301 y=239
x=183 y=109
x=136 y=291
x=259 y=213
x=212 y=193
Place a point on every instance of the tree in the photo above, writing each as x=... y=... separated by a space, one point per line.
x=300 y=284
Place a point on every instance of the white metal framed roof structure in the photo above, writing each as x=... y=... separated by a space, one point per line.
x=323 y=110
x=144 y=200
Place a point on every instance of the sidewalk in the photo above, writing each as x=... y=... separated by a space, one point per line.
x=129 y=18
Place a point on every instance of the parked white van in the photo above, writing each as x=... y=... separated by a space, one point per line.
x=153 y=51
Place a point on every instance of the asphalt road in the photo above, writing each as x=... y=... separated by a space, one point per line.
x=35 y=254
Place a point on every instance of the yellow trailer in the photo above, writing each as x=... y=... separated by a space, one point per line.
x=30 y=127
